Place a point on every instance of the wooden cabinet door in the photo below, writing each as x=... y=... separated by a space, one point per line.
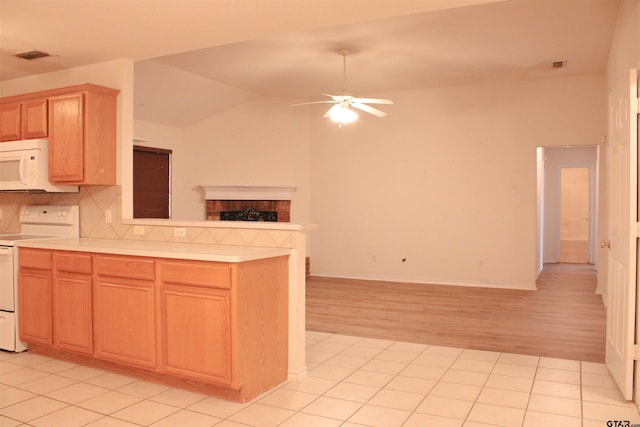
x=196 y=333
x=34 y=118
x=72 y=302
x=34 y=297
x=124 y=310
x=10 y=122
x=72 y=307
x=66 y=138
x=125 y=322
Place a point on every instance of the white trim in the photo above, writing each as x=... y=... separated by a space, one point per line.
x=520 y=287
x=297 y=375
x=254 y=225
x=240 y=192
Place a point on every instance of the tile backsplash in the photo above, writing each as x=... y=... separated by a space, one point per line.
x=95 y=200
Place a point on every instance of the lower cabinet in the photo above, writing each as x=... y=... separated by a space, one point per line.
x=72 y=302
x=35 y=296
x=196 y=334
x=55 y=300
x=196 y=299
x=124 y=307
x=218 y=328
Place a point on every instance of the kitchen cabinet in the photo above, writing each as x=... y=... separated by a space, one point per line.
x=54 y=294
x=226 y=323
x=72 y=302
x=82 y=136
x=215 y=327
x=196 y=297
x=80 y=123
x=35 y=296
x=23 y=120
x=124 y=307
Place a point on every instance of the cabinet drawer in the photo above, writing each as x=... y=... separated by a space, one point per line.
x=196 y=274
x=126 y=267
x=33 y=258
x=73 y=263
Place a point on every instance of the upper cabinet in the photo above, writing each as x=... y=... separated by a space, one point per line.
x=80 y=123
x=82 y=136
x=23 y=120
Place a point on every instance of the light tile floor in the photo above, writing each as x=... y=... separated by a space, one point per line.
x=352 y=382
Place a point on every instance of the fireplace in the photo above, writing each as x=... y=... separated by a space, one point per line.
x=240 y=203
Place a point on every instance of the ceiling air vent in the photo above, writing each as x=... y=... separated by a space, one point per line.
x=31 y=55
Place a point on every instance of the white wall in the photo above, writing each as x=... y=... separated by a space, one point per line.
x=555 y=159
x=447 y=180
x=260 y=142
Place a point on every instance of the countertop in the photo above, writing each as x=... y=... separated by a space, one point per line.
x=193 y=251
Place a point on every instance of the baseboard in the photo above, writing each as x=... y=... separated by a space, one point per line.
x=520 y=287
x=297 y=375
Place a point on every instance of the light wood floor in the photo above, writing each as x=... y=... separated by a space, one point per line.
x=564 y=318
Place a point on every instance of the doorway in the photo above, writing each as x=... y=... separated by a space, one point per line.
x=561 y=235
x=574 y=215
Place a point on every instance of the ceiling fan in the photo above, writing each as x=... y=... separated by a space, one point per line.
x=340 y=111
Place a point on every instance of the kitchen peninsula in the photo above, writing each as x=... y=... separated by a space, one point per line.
x=210 y=318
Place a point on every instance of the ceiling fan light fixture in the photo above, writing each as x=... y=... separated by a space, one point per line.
x=343 y=115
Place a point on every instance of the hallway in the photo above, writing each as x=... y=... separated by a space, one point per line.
x=564 y=318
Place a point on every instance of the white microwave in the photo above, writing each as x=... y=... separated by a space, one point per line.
x=24 y=166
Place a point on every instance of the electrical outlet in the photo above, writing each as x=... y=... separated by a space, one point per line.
x=107 y=216
x=179 y=232
x=138 y=230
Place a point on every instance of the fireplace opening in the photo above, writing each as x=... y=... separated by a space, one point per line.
x=249 y=210
x=248 y=203
x=249 y=214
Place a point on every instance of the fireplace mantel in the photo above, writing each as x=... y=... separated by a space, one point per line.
x=239 y=192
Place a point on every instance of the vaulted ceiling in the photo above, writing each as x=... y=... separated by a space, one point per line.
x=236 y=49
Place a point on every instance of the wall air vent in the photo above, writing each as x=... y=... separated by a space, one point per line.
x=31 y=55
x=558 y=64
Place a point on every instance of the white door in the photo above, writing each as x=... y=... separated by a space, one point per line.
x=574 y=215
x=623 y=207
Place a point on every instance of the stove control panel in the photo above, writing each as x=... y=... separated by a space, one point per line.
x=49 y=214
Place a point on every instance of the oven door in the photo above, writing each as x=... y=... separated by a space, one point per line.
x=7 y=278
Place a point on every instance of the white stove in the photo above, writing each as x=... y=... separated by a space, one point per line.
x=37 y=222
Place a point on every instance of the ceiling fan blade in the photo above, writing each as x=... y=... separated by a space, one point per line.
x=331 y=110
x=368 y=109
x=373 y=101
x=312 y=102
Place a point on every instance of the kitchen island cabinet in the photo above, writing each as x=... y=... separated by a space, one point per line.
x=124 y=307
x=214 y=327
x=196 y=297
